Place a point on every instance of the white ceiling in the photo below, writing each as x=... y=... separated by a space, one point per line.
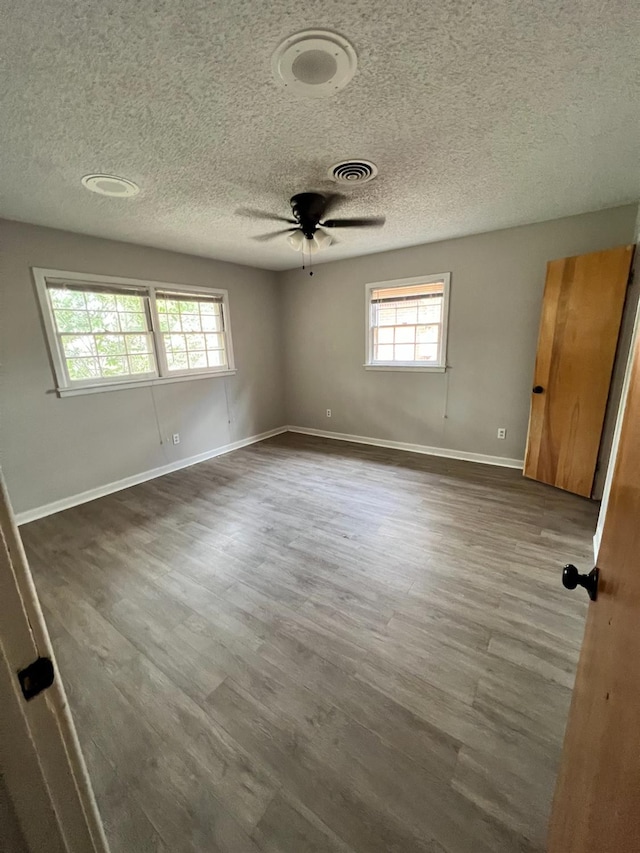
x=479 y=115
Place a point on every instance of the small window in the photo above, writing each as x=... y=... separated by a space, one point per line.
x=407 y=323
x=104 y=332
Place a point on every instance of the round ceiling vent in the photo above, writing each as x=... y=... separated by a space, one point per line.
x=110 y=185
x=314 y=63
x=353 y=172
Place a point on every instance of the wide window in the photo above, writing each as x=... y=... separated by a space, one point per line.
x=106 y=332
x=407 y=323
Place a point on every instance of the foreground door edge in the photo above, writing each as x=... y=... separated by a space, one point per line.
x=595 y=809
x=42 y=763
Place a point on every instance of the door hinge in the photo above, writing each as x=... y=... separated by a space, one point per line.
x=36 y=677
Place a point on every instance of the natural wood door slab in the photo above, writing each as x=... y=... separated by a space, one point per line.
x=581 y=314
x=596 y=802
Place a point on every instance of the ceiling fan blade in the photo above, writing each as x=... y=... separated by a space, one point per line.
x=366 y=222
x=261 y=214
x=262 y=238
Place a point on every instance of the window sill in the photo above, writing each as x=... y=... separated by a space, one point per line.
x=142 y=383
x=410 y=368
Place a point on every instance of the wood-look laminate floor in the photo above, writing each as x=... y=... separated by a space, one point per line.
x=314 y=646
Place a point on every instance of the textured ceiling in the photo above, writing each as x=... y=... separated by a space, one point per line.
x=479 y=115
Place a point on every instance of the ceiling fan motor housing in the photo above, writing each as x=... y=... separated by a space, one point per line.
x=308 y=210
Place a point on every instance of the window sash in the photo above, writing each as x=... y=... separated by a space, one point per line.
x=98 y=341
x=96 y=357
x=168 y=355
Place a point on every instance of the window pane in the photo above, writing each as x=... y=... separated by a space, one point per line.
x=66 y=299
x=385 y=316
x=170 y=323
x=72 y=321
x=427 y=352
x=404 y=352
x=191 y=322
x=407 y=314
x=175 y=343
x=104 y=321
x=384 y=353
x=177 y=361
x=139 y=343
x=405 y=334
x=78 y=345
x=110 y=344
x=216 y=358
x=197 y=360
x=430 y=311
x=384 y=335
x=133 y=322
x=141 y=363
x=212 y=323
x=195 y=342
x=100 y=301
x=113 y=365
x=80 y=369
x=130 y=303
x=214 y=341
x=428 y=334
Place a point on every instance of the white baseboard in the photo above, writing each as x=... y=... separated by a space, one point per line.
x=109 y=488
x=482 y=458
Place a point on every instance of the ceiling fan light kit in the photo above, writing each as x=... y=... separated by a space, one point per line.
x=319 y=241
x=314 y=64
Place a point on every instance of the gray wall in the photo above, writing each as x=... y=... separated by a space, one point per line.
x=54 y=448
x=496 y=292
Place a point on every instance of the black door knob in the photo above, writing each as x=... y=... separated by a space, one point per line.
x=571 y=578
x=538 y=389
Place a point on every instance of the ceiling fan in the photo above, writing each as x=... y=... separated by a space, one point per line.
x=309 y=217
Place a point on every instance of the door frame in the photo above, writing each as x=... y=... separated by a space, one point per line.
x=40 y=756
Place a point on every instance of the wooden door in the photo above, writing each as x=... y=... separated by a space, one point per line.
x=42 y=765
x=597 y=802
x=581 y=315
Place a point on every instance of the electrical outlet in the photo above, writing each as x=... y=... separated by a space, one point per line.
x=176 y=438
x=328 y=413
x=502 y=432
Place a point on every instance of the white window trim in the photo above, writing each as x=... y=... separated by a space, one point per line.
x=409 y=366
x=65 y=388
